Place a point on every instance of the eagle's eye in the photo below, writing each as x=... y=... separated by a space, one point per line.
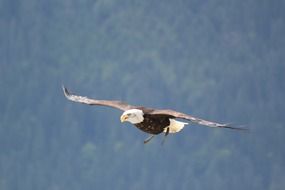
x=129 y=114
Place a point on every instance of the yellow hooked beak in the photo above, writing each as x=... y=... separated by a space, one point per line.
x=124 y=118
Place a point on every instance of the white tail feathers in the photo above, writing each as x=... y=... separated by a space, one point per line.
x=175 y=126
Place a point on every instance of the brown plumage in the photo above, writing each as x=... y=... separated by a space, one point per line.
x=153 y=124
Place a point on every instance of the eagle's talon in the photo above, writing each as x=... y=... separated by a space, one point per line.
x=165 y=135
x=148 y=139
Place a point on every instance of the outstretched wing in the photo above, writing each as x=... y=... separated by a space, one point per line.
x=84 y=100
x=175 y=114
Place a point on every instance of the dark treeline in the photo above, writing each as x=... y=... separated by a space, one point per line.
x=220 y=60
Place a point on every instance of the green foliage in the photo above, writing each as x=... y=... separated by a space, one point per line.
x=219 y=60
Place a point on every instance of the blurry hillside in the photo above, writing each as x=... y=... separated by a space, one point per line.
x=219 y=60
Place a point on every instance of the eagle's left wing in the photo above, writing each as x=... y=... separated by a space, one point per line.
x=175 y=114
x=85 y=100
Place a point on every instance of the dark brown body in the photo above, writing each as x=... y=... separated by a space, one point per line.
x=153 y=124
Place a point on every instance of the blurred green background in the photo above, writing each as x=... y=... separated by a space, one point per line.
x=221 y=60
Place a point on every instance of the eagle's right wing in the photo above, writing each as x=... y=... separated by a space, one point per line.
x=175 y=114
x=85 y=100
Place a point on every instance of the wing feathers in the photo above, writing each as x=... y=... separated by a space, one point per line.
x=85 y=100
x=194 y=119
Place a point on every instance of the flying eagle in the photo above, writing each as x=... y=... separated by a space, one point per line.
x=149 y=120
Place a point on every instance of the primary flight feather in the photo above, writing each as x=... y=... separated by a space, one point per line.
x=149 y=120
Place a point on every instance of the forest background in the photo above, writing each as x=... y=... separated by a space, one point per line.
x=222 y=60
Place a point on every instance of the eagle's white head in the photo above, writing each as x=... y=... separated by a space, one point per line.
x=133 y=116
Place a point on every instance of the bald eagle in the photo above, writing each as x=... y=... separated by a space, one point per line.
x=149 y=120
